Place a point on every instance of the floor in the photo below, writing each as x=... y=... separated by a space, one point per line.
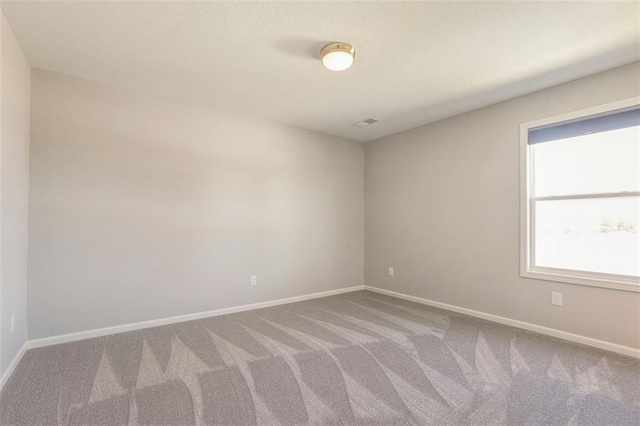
x=357 y=358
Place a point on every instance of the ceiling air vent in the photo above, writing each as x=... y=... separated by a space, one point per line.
x=364 y=123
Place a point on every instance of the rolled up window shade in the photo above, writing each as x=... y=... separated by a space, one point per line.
x=585 y=126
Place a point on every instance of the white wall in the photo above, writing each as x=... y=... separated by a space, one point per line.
x=143 y=208
x=15 y=90
x=442 y=207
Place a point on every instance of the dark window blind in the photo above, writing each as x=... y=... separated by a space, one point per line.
x=588 y=125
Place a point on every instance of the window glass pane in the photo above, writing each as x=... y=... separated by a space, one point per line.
x=595 y=163
x=596 y=235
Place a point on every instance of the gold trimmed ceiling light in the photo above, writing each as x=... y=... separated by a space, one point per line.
x=338 y=56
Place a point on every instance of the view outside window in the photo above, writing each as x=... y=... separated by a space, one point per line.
x=585 y=203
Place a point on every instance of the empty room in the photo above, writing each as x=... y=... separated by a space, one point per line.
x=319 y=213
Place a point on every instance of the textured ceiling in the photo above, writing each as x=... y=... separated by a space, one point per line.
x=416 y=62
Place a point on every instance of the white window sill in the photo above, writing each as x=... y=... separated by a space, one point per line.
x=567 y=276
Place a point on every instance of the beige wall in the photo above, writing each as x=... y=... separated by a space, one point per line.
x=143 y=208
x=15 y=87
x=442 y=207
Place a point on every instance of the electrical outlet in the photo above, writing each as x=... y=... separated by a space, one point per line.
x=556 y=298
x=390 y=271
x=13 y=322
x=254 y=280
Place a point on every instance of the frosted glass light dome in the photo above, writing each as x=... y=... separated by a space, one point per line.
x=338 y=56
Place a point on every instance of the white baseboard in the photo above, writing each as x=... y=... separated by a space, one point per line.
x=47 y=341
x=576 y=338
x=54 y=340
x=5 y=377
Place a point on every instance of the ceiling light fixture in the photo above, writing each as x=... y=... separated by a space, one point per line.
x=338 y=56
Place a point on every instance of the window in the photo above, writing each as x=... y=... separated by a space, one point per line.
x=581 y=197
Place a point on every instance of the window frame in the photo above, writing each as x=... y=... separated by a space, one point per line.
x=527 y=208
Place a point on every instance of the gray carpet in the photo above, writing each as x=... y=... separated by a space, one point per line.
x=357 y=358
